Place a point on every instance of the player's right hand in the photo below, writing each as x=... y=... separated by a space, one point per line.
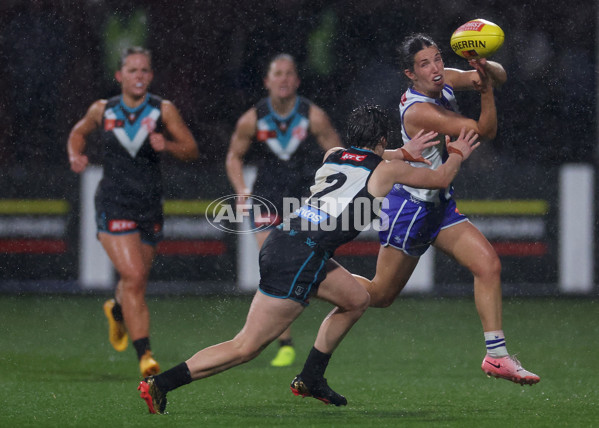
x=78 y=163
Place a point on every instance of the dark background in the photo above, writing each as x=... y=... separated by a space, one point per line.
x=209 y=58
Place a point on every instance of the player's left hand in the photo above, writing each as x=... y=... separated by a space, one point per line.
x=412 y=150
x=486 y=79
x=158 y=142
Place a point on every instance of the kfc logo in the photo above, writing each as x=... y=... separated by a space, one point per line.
x=109 y=124
x=264 y=135
x=121 y=225
x=354 y=157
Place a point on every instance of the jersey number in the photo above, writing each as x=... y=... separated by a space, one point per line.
x=338 y=180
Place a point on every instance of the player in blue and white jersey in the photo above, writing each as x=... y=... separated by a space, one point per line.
x=286 y=134
x=296 y=260
x=421 y=217
x=136 y=127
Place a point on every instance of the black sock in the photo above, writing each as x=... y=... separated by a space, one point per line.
x=315 y=365
x=286 y=342
x=141 y=346
x=117 y=312
x=173 y=378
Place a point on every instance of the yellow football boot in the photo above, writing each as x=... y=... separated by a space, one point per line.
x=285 y=357
x=117 y=332
x=148 y=366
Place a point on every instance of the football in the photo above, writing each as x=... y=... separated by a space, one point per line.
x=478 y=38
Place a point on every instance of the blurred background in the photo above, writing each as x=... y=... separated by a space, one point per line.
x=209 y=58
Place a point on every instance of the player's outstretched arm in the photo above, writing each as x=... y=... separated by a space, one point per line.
x=464 y=145
x=388 y=173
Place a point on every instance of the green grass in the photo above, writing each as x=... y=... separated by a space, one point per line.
x=416 y=364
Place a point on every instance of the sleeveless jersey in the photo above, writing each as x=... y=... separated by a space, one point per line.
x=340 y=206
x=284 y=151
x=132 y=180
x=436 y=154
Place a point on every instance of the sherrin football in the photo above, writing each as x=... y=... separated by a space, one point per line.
x=478 y=38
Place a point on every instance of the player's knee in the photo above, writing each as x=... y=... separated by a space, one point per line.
x=488 y=267
x=360 y=302
x=381 y=298
x=134 y=277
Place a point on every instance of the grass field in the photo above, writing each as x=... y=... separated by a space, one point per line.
x=416 y=364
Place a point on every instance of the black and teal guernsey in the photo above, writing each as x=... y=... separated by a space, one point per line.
x=285 y=152
x=131 y=186
x=340 y=206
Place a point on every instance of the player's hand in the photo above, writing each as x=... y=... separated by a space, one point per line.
x=464 y=145
x=485 y=82
x=78 y=163
x=158 y=142
x=412 y=150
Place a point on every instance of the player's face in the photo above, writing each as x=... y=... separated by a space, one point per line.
x=282 y=80
x=428 y=75
x=135 y=75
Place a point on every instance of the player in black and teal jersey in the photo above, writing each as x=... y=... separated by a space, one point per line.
x=136 y=127
x=286 y=134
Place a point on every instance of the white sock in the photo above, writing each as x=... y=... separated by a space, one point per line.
x=495 y=341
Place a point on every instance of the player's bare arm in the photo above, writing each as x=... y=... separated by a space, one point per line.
x=177 y=140
x=77 y=137
x=322 y=129
x=391 y=172
x=245 y=129
x=464 y=80
x=428 y=116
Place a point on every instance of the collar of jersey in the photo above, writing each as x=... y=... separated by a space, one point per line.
x=135 y=110
x=362 y=150
x=291 y=113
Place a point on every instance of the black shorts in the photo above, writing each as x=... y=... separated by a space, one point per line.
x=291 y=267
x=150 y=228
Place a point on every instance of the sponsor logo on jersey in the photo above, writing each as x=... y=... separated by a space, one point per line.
x=110 y=124
x=311 y=214
x=353 y=156
x=264 y=135
x=121 y=225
